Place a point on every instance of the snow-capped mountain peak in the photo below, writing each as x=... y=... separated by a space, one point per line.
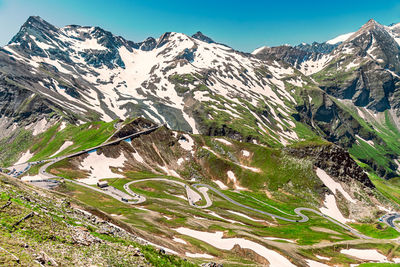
x=177 y=79
x=340 y=39
x=258 y=50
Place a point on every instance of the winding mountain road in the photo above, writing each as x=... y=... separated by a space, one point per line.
x=193 y=197
x=203 y=188
x=390 y=218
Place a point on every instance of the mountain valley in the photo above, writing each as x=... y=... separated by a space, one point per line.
x=181 y=151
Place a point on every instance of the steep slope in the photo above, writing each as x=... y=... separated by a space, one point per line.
x=371 y=56
x=194 y=84
x=361 y=108
x=191 y=83
x=363 y=76
x=40 y=228
x=308 y=58
x=271 y=180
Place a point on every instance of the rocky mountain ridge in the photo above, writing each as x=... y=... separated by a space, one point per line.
x=79 y=73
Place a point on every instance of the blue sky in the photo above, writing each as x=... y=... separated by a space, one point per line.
x=243 y=25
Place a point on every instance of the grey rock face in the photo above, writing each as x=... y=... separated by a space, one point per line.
x=200 y=36
x=335 y=161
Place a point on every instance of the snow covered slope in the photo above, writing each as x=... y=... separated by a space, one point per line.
x=181 y=80
x=340 y=39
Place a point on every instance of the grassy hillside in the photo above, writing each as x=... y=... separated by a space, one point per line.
x=47 y=143
x=57 y=233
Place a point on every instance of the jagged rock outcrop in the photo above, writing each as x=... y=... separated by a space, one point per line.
x=336 y=161
x=200 y=36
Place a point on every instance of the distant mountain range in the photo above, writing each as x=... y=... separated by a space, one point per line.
x=287 y=156
x=344 y=90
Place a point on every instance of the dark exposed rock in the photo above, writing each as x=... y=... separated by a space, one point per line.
x=295 y=55
x=338 y=126
x=148 y=44
x=200 y=36
x=135 y=126
x=335 y=161
x=211 y=264
x=44 y=259
x=187 y=54
x=323 y=48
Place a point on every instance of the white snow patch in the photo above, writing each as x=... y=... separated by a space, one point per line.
x=312 y=263
x=64 y=146
x=370 y=142
x=180 y=161
x=63 y=125
x=352 y=65
x=198 y=255
x=182 y=197
x=220 y=184
x=312 y=66
x=360 y=113
x=99 y=167
x=137 y=157
x=244 y=216
x=245 y=153
x=188 y=143
x=391 y=72
x=90 y=44
x=169 y=171
x=40 y=127
x=191 y=122
x=24 y=158
x=144 y=209
x=278 y=238
x=322 y=257
x=365 y=254
x=255 y=52
x=231 y=176
x=179 y=240
x=253 y=169
x=216 y=239
x=398 y=165
x=223 y=141
x=333 y=185
x=331 y=209
x=340 y=38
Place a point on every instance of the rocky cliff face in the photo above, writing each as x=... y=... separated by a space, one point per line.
x=367 y=64
x=298 y=56
x=336 y=161
x=363 y=68
x=360 y=76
